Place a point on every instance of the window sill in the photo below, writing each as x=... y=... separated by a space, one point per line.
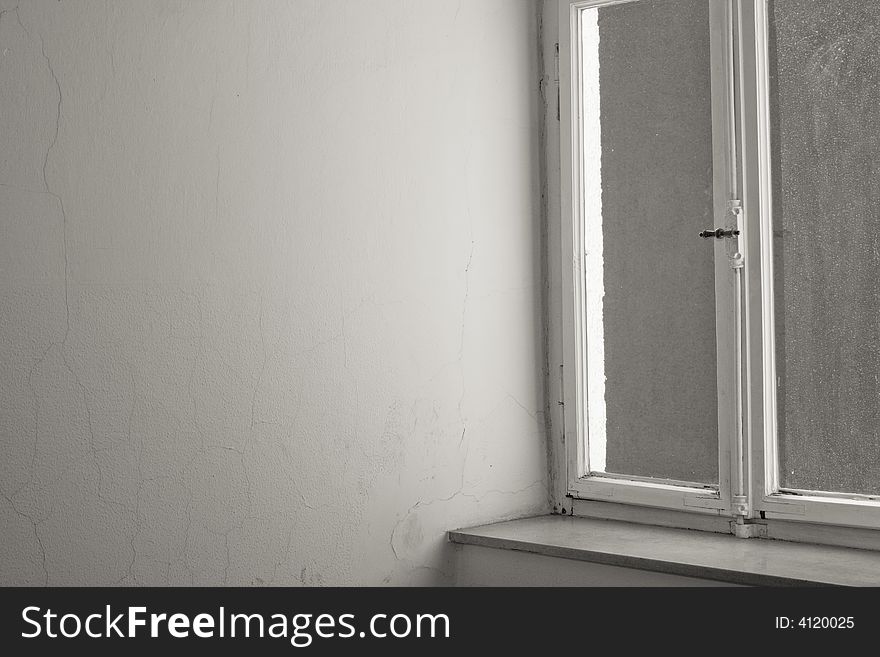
x=718 y=557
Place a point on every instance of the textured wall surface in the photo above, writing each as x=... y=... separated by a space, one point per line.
x=269 y=288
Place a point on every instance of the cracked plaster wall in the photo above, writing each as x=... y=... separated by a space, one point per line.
x=269 y=288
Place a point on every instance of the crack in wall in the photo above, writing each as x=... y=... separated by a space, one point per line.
x=140 y=484
x=36 y=400
x=186 y=536
x=34 y=524
x=57 y=113
x=476 y=498
x=278 y=564
x=467 y=289
x=226 y=567
x=49 y=191
x=262 y=365
x=533 y=415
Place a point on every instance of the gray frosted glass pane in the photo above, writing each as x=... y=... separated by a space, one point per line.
x=658 y=309
x=825 y=109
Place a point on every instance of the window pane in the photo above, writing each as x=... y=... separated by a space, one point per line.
x=649 y=277
x=825 y=109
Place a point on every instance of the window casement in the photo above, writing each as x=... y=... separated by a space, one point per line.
x=720 y=179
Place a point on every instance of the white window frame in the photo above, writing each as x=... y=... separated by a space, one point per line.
x=644 y=492
x=748 y=490
x=770 y=500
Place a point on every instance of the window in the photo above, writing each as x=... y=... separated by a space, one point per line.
x=721 y=311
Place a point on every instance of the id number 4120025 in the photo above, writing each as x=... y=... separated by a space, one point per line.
x=815 y=623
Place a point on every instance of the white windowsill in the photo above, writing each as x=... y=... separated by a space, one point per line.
x=689 y=553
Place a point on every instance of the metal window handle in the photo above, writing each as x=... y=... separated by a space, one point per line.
x=719 y=233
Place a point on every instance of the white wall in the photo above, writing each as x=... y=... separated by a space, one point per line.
x=269 y=288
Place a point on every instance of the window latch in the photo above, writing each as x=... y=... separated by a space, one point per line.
x=719 y=233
